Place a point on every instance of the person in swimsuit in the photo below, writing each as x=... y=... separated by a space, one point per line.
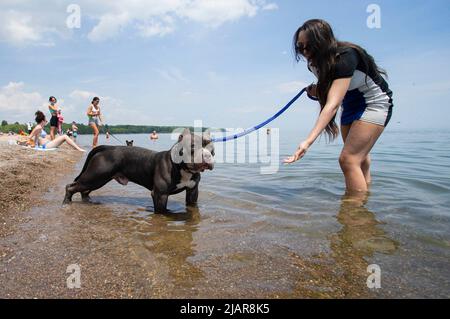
x=348 y=76
x=74 y=131
x=154 y=136
x=54 y=116
x=94 y=119
x=39 y=139
x=60 y=122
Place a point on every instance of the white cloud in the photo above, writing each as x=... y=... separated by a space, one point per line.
x=155 y=28
x=82 y=95
x=291 y=87
x=18 y=105
x=18 y=28
x=109 y=26
x=270 y=7
x=217 y=12
x=38 y=22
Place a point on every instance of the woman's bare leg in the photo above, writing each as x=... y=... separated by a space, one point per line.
x=96 y=133
x=365 y=165
x=358 y=143
x=58 y=141
x=52 y=132
x=344 y=131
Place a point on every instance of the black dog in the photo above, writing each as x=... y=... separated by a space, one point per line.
x=164 y=173
x=129 y=143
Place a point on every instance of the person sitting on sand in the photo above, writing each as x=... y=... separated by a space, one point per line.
x=38 y=137
x=154 y=136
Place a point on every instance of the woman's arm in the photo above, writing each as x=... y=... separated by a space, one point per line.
x=335 y=96
x=34 y=135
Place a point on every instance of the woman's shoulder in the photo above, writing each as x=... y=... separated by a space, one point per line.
x=347 y=62
x=38 y=128
x=347 y=52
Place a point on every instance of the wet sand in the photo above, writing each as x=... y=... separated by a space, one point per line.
x=124 y=250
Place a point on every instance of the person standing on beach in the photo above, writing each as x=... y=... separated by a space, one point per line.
x=74 y=131
x=95 y=119
x=29 y=127
x=54 y=116
x=348 y=76
x=60 y=122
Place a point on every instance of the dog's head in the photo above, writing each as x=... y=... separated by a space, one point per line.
x=129 y=143
x=195 y=152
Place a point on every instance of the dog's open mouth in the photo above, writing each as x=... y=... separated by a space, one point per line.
x=205 y=166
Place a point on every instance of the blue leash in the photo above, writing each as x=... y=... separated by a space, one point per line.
x=257 y=127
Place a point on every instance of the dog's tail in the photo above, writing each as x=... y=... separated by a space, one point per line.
x=89 y=157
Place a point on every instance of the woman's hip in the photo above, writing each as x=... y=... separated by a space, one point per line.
x=379 y=114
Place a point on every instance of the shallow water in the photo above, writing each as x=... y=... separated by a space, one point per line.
x=288 y=234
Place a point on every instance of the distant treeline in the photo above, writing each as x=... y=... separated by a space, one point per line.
x=85 y=129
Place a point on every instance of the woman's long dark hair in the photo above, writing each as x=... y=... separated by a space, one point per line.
x=39 y=117
x=323 y=49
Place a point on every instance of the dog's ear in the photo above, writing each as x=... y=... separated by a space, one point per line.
x=207 y=135
x=132 y=141
x=185 y=132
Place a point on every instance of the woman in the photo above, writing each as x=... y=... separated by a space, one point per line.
x=60 y=122
x=347 y=75
x=54 y=116
x=74 y=131
x=95 y=119
x=38 y=137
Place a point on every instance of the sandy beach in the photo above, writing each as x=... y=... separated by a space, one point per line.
x=26 y=175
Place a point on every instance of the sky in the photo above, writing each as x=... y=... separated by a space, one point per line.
x=228 y=63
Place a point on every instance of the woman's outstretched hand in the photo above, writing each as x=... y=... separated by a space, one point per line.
x=301 y=151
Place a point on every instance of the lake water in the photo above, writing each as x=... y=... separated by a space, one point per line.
x=292 y=233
